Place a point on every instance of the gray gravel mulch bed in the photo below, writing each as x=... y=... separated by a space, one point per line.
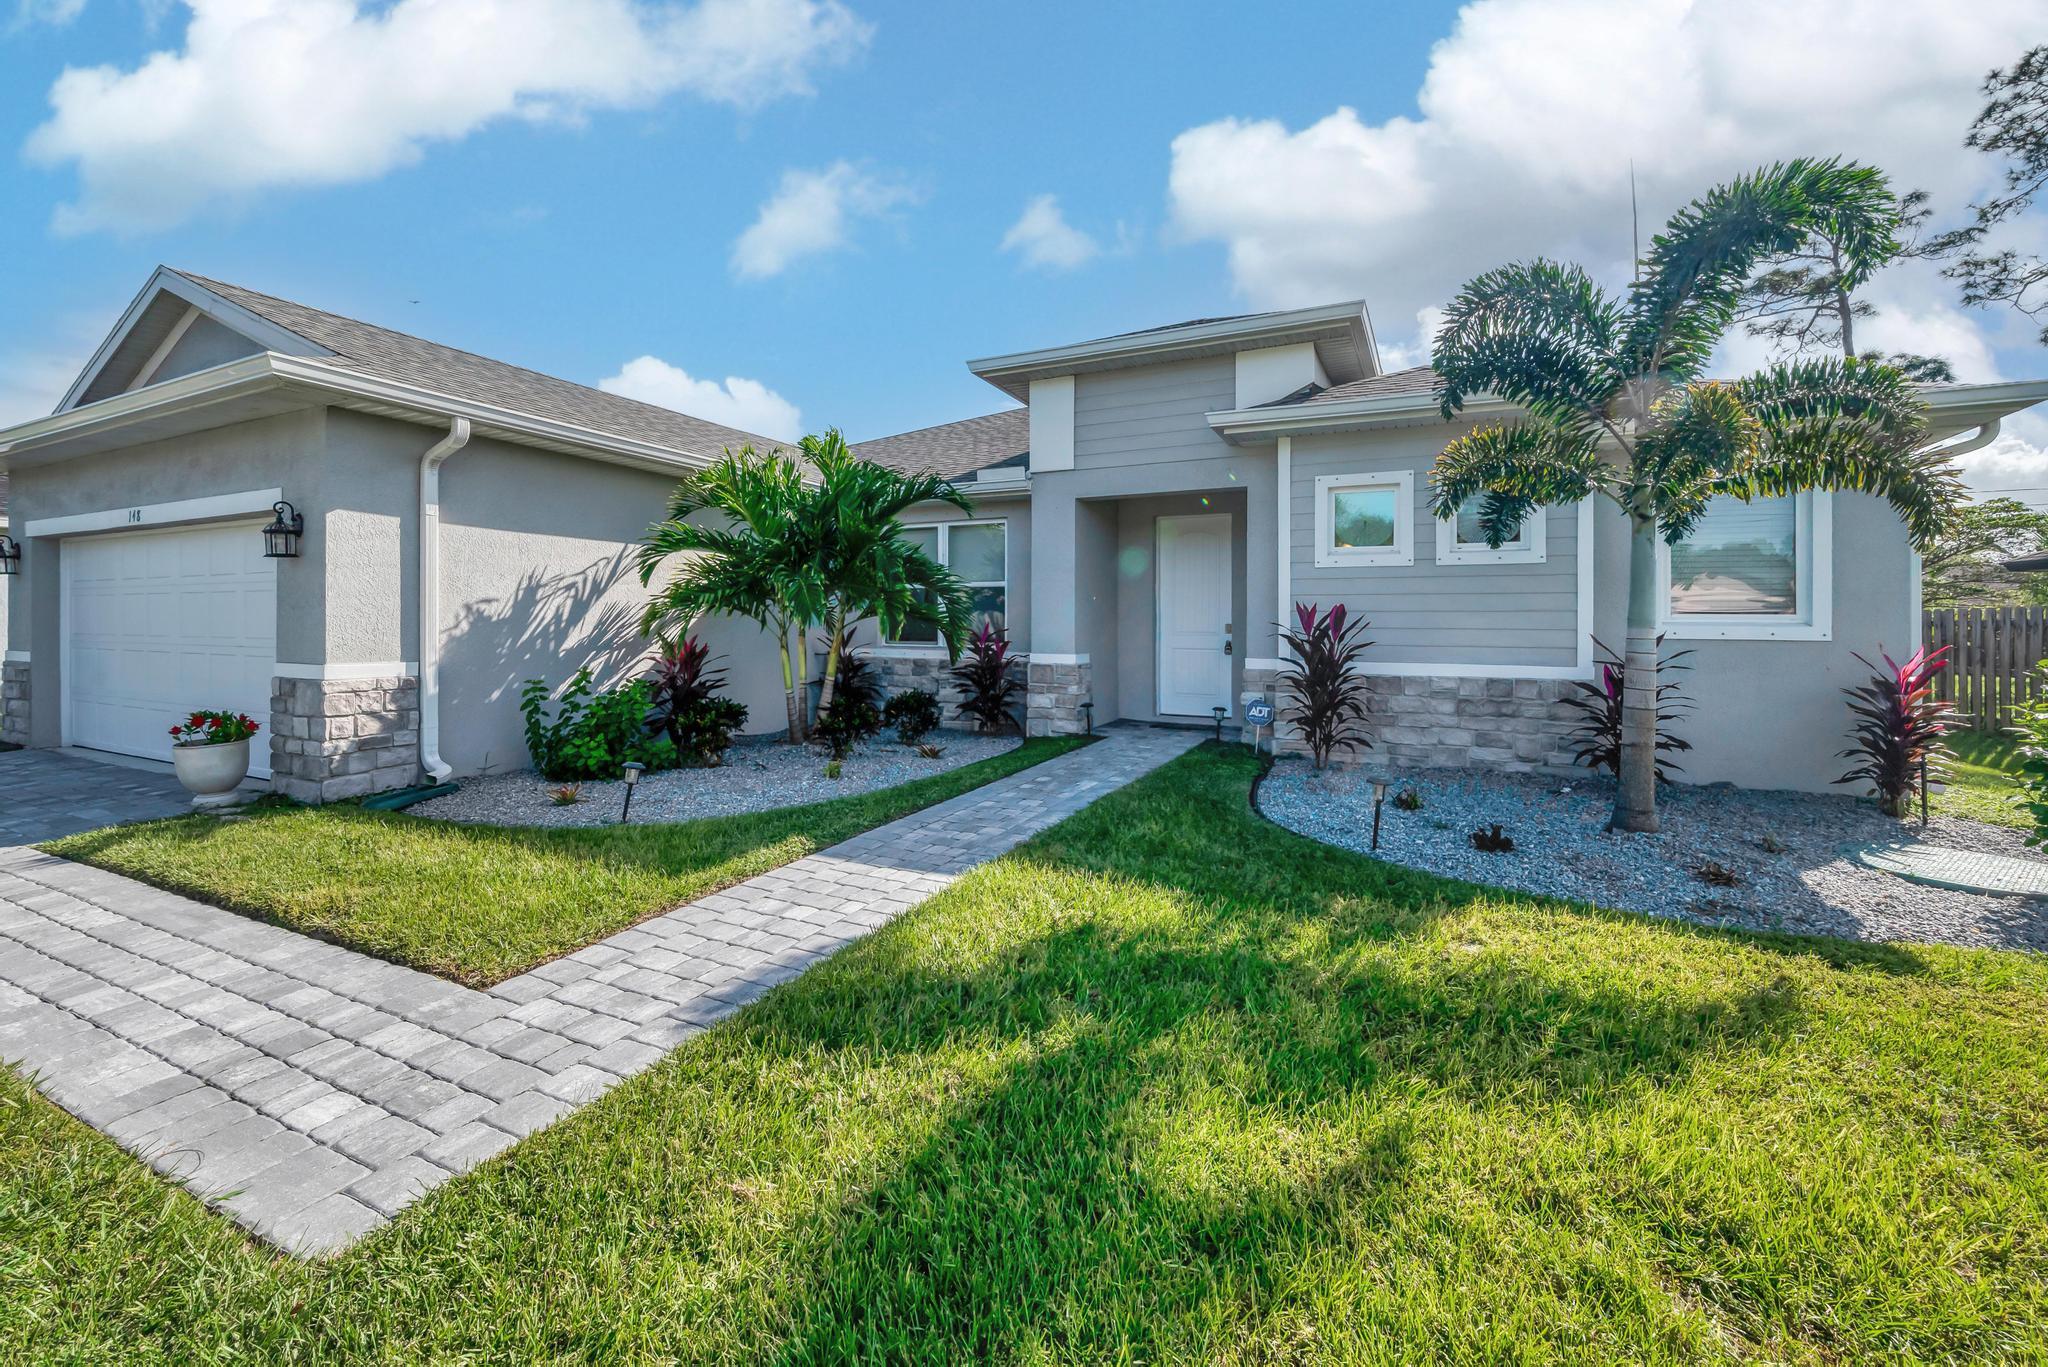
x=759 y=774
x=1787 y=849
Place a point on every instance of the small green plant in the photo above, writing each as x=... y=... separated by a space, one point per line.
x=929 y=750
x=684 y=691
x=914 y=713
x=591 y=734
x=845 y=724
x=2030 y=728
x=1492 y=840
x=833 y=768
x=567 y=795
x=1408 y=800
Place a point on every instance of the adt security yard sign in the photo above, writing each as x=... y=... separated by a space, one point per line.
x=1258 y=714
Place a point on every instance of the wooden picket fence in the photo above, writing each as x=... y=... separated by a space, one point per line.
x=1994 y=660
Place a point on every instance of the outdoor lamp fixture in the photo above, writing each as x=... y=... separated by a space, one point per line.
x=633 y=772
x=1088 y=716
x=1379 y=797
x=281 y=537
x=1218 y=713
x=10 y=555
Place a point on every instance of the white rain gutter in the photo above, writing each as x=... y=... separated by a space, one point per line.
x=437 y=769
x=1983 y=437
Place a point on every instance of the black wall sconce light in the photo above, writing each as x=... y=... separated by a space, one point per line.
x=281 y=537
x=10 y=555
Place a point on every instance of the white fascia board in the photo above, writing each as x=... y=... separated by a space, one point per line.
x=347 y=388
x=222 y=310
x=1243 y=426
x=1009 y=372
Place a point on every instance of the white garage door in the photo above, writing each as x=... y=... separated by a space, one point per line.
x=160 y=624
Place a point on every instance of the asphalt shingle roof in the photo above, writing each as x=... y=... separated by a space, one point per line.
x=1417 y=380
x=389 y=355
x=955 y=449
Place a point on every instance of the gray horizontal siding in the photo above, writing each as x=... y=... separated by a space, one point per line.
x=1426 y=613
x=1152 y=415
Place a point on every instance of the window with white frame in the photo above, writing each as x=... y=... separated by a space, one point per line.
x=1758 y=570
x=979 y=552
x=1461 y=541
x=1366 y=519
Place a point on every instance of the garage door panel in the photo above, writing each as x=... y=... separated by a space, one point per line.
x=159 y=624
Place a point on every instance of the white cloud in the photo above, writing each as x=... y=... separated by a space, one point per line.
x=1044 y=238
x=267 y=94
x=1531 y=114
x=813 y=212
x=736 y=402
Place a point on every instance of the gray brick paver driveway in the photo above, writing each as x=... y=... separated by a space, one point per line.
x=45 y=795
x=311 y=1092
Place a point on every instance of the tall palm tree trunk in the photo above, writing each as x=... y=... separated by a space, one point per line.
x=836 y=640
x=791 y=713
x=1635 y=799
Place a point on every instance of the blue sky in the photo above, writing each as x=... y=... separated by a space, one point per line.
x=504 y=176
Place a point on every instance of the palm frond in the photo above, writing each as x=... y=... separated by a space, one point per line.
x=1539 y=334
x=1692 y=280
x=1514 y=467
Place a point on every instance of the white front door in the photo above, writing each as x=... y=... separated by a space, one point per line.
x=160 y=624
x=1194 y=614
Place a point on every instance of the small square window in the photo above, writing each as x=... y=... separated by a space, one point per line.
x=1366 y=519
x=1460 y=541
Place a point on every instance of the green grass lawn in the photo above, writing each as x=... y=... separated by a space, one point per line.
x=1172 y=1084
x=482 y=903
x=1980 y=781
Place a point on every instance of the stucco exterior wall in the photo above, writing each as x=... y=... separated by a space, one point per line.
x=1771 y=714
x=282 y=452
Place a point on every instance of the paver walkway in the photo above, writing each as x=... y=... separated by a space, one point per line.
x=311 y=1092
x=45 y=794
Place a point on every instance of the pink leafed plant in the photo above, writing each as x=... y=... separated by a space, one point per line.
x=1899 y=728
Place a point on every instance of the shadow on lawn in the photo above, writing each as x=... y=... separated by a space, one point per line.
x=1178 y=975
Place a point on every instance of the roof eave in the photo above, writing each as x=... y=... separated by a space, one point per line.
x=343 y=388
x=1344 y=322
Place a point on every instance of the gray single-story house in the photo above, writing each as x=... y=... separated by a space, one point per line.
x=1141 y=523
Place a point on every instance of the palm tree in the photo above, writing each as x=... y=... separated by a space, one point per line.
x=1614 y=401
x=872 y=569
x=757 y=556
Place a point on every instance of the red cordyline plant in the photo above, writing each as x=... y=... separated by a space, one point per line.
x=214 y=728
x=1328 y=693
x=1596 y=740
x=1899 y=728
x=989 y=687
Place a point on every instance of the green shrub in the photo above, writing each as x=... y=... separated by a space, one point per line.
x=914 y=713
x=593 y=734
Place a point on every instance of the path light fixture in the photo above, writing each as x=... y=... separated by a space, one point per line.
x=1088 y=716
x=281 y=537
x=633 y=772
x=1218 y=712
x=10 y=555
x=1379 y=798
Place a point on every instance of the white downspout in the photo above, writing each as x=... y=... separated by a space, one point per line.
x=436 y=768
x=1977 y=441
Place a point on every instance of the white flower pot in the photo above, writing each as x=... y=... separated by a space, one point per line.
x=211 y=772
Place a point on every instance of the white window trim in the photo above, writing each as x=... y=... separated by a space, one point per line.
x=1813 y=529
x=1529 y=548
x=945 y=532
x=1402 y=552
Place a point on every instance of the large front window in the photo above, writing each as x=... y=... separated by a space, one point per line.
x=979 y=552
x=1757 y=569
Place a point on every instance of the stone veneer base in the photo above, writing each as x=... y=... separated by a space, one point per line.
x=1055 y=695
x=1434 y=721
x=14 y=702
x=340 y=738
